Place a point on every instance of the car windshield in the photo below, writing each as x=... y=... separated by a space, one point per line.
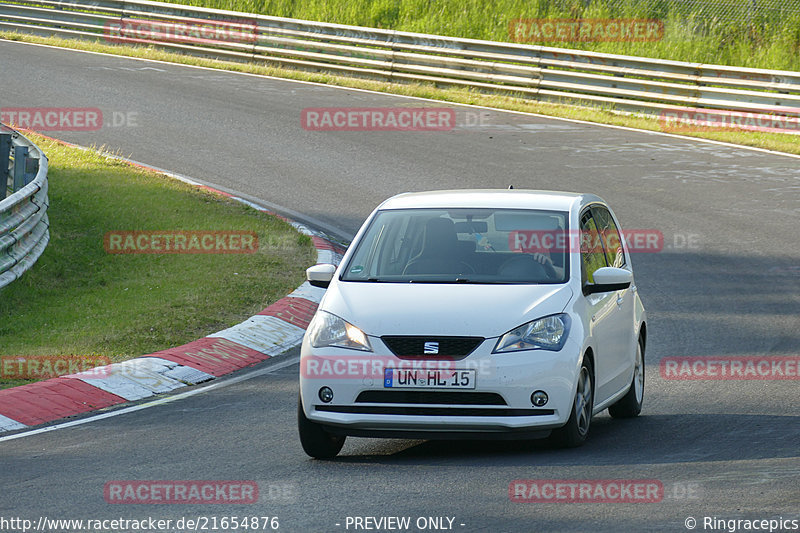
x=462 y=246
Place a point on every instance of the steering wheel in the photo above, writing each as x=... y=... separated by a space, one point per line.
x=526 y=265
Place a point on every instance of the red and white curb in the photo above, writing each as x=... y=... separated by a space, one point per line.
x=271 y=332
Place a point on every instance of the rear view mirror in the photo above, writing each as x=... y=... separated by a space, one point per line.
x=472 y=227
x=320 y=275
x=609 y=279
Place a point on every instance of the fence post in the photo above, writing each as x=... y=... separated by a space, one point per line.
x=20 y=163
x=5 y=152
x=31 y=168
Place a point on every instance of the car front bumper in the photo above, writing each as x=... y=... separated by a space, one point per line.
x=499 y=406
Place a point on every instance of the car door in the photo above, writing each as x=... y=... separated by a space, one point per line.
x=621 y=332
x=603 y=311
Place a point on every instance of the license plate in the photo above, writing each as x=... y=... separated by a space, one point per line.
x=408 y=378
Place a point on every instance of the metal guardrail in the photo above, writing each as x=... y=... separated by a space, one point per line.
x=625 y=83
x=24 y=227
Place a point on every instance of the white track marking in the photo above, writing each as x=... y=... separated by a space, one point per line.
x=7 y=424
x=265 y=334
x=222 y=382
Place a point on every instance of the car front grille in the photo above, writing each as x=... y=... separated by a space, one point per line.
x=445 y=347
x=430 y=397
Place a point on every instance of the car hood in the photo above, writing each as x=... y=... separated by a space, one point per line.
x=442 y=309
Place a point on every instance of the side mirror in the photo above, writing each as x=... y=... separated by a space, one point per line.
x=320 y=275
x=609 y=279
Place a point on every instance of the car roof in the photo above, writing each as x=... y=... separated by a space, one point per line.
x=491 y=198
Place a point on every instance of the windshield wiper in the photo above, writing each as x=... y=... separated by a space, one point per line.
x=444 y=281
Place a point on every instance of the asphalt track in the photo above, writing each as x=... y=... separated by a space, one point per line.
x=726 y=284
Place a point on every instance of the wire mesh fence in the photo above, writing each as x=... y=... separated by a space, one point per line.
x=709 y=11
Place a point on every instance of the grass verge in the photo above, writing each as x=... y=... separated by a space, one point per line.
x=735 y=32
x=770 y=141
x=80 y=300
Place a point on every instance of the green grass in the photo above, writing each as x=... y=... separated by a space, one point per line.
x=703 y=34
x=80 y=300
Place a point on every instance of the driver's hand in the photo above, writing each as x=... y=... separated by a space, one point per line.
x=543 y=259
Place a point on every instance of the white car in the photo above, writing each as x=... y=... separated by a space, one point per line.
x=474 y=314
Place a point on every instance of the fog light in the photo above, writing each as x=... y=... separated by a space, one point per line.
x=326 y=394
x=539 y=398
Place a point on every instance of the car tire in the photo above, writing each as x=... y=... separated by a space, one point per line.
x=630 y=405
x=316 y=441
x=576 y=430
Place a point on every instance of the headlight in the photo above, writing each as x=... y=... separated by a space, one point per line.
x=548 y=333
x=330 y=330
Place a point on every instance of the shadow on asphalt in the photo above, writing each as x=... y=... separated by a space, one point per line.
x=646 y=440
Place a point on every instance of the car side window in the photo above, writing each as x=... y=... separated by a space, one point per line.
x=610 y=234
x=592 y=254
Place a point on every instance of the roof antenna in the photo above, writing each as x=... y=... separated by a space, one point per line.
x=510 y=187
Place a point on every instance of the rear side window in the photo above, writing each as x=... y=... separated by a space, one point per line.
x=609 y=233
x=592 y=254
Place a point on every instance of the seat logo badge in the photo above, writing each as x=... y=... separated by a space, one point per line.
x=431 y=348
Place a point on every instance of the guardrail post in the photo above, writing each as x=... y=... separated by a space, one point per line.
x=31 y=168
x=5 y=152
x=20 y=160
